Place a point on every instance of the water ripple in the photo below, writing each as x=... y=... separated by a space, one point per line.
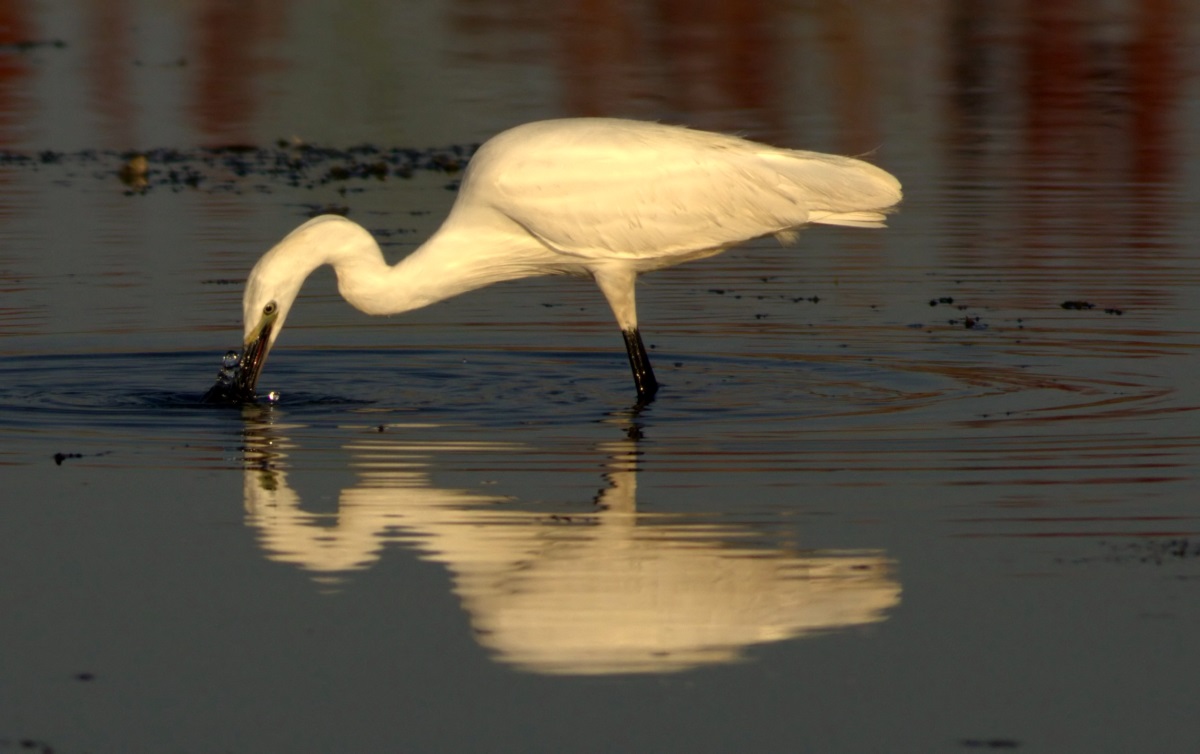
x=872 y=416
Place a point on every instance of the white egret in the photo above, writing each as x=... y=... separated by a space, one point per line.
x=599 y=197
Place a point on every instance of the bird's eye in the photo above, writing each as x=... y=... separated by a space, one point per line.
x=270 y=308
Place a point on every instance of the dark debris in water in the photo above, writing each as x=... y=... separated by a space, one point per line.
x=60 y=457
x=967 y=321
x=1151 y=551
x=760 y=297
x=30 y=745
x=990 y=743
x=29 y=45
x=1085 y=305
x=315 y=210
x=241 y=167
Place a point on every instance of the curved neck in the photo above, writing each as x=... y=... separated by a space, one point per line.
x=451 y=262
x=446 y=265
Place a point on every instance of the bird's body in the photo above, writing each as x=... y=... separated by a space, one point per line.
x=599 y=197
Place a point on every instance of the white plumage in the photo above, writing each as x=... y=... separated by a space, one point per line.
x=601 y=197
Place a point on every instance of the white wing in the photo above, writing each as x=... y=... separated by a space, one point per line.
x=605 y=187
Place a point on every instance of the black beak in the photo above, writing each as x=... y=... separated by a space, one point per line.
x=235 y=383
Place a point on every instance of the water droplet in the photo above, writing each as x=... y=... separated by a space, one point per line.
x=230 y=364
x=273 y=396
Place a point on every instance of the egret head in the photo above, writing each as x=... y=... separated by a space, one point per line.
x=271 y=289
x=260 y=336
x=264 y=314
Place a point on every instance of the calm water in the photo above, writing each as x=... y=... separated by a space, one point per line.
x=894 y=495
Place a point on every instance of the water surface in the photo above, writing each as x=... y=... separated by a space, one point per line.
x=930 y=488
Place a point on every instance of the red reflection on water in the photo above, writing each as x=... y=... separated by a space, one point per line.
x=711 y=57
x=15 y=29
x=1072 y=113
x=109 y=48
x=728 y=65
x=229 y=53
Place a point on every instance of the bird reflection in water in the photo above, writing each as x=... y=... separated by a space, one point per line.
x=609 y=591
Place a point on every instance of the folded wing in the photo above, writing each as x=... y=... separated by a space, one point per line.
x=599 y=187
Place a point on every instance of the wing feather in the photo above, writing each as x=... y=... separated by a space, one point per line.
x=625 y=189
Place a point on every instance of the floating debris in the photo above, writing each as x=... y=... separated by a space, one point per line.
x=245 y=167
x=968 y=322
x=60 y=457
x=133 y=173
x=1082 y=305
x=27 y=45
x=313 y=210
x=990 y=743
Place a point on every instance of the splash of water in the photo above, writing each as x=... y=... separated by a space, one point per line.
x=226 y=388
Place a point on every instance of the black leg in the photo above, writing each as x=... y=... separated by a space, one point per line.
x=643 y=374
